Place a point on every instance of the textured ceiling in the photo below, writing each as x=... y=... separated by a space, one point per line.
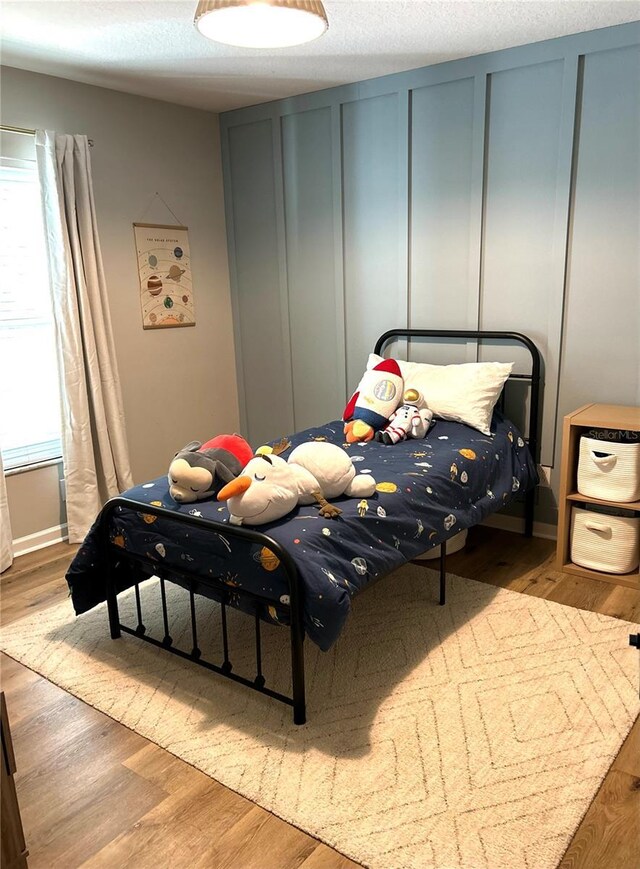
x=153 y=49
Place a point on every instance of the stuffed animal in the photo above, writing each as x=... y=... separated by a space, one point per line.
x=411 y=420
x=370 y=407
x=270 y=487
x=200 y=470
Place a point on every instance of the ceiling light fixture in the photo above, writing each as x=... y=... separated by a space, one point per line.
x=261 y=23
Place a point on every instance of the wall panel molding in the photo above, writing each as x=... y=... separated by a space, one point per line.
x=285 y=379
x=338 y=240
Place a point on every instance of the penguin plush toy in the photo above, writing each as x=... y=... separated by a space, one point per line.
x=199 y=470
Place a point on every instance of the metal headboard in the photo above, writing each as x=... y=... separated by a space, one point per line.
x=534 y=379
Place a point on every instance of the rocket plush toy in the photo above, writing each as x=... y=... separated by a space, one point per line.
x=370 y=407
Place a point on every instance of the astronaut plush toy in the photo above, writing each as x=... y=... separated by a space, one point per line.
x=411 y=420
x=370 y=407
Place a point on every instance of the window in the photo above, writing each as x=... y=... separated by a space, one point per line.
x=29 y=387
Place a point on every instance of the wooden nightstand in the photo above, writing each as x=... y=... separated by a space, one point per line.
x=611 y=416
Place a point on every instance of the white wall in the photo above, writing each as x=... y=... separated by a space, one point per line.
x=178 y=384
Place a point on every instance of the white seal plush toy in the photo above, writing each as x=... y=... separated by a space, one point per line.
x=270 y=487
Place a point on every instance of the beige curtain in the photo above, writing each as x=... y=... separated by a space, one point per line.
x=94 y=443
x=6 y=549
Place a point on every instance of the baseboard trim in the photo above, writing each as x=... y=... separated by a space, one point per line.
x=32 y=542
x=513 y=523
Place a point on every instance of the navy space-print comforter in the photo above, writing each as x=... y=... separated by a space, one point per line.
x=427 y=491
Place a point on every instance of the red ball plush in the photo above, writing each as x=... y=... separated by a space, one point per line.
x=234 y=444
x=199 y=471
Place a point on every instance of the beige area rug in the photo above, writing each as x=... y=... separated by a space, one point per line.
x=471 y=735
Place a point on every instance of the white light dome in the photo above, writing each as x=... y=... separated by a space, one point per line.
x=261 y=23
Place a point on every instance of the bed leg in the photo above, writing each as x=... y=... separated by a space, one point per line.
x=443 y=572
x=112 y=606
x=529 y=504
x=297 y=674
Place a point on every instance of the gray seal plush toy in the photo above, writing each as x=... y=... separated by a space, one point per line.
x=199 y=470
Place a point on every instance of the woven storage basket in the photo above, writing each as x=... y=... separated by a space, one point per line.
x=454 y=544
x=609 y=471
x=602 y=542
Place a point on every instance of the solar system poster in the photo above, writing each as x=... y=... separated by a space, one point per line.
x=164 y=269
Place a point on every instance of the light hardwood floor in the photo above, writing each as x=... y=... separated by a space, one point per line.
x=94 y=793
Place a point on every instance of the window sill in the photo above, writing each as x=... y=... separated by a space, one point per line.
x=24 y=469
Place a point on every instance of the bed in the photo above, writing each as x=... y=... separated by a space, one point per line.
x=302 y=571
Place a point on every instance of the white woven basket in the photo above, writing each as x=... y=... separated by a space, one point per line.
x=602 y=542
x=454 y=544
x=610 y=471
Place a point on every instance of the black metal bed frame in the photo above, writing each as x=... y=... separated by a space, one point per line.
x=192 y=582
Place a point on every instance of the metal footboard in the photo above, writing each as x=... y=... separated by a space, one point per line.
x=115 y=554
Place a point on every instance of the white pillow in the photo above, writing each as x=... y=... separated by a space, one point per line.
x=464 y=393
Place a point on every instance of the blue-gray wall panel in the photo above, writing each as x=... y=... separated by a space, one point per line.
x=257 y=291
x=442 y=212
x=374 y=192
x=519 y=287
x=314 y=302
x=601 y=359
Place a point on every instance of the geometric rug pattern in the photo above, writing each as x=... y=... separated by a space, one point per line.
x=473 y=735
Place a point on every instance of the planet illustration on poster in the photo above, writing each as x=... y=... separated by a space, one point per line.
x=165 y=281
x=154 y=285
x=175 y=273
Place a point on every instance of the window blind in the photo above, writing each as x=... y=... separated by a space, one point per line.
x=29 y=383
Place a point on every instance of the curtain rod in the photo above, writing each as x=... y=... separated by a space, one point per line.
x=23 y=131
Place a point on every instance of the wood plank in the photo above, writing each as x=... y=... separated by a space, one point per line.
x=628 y=759
x=324 y=857
x=608 y=416
x=35 y=581
x=623 y=603
x=191 y=821
x=164 y=769
x=91 y=821
x=28 y=693
x=581 y=592
x=256 y=835
x=609 y=835
x=629 y=580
